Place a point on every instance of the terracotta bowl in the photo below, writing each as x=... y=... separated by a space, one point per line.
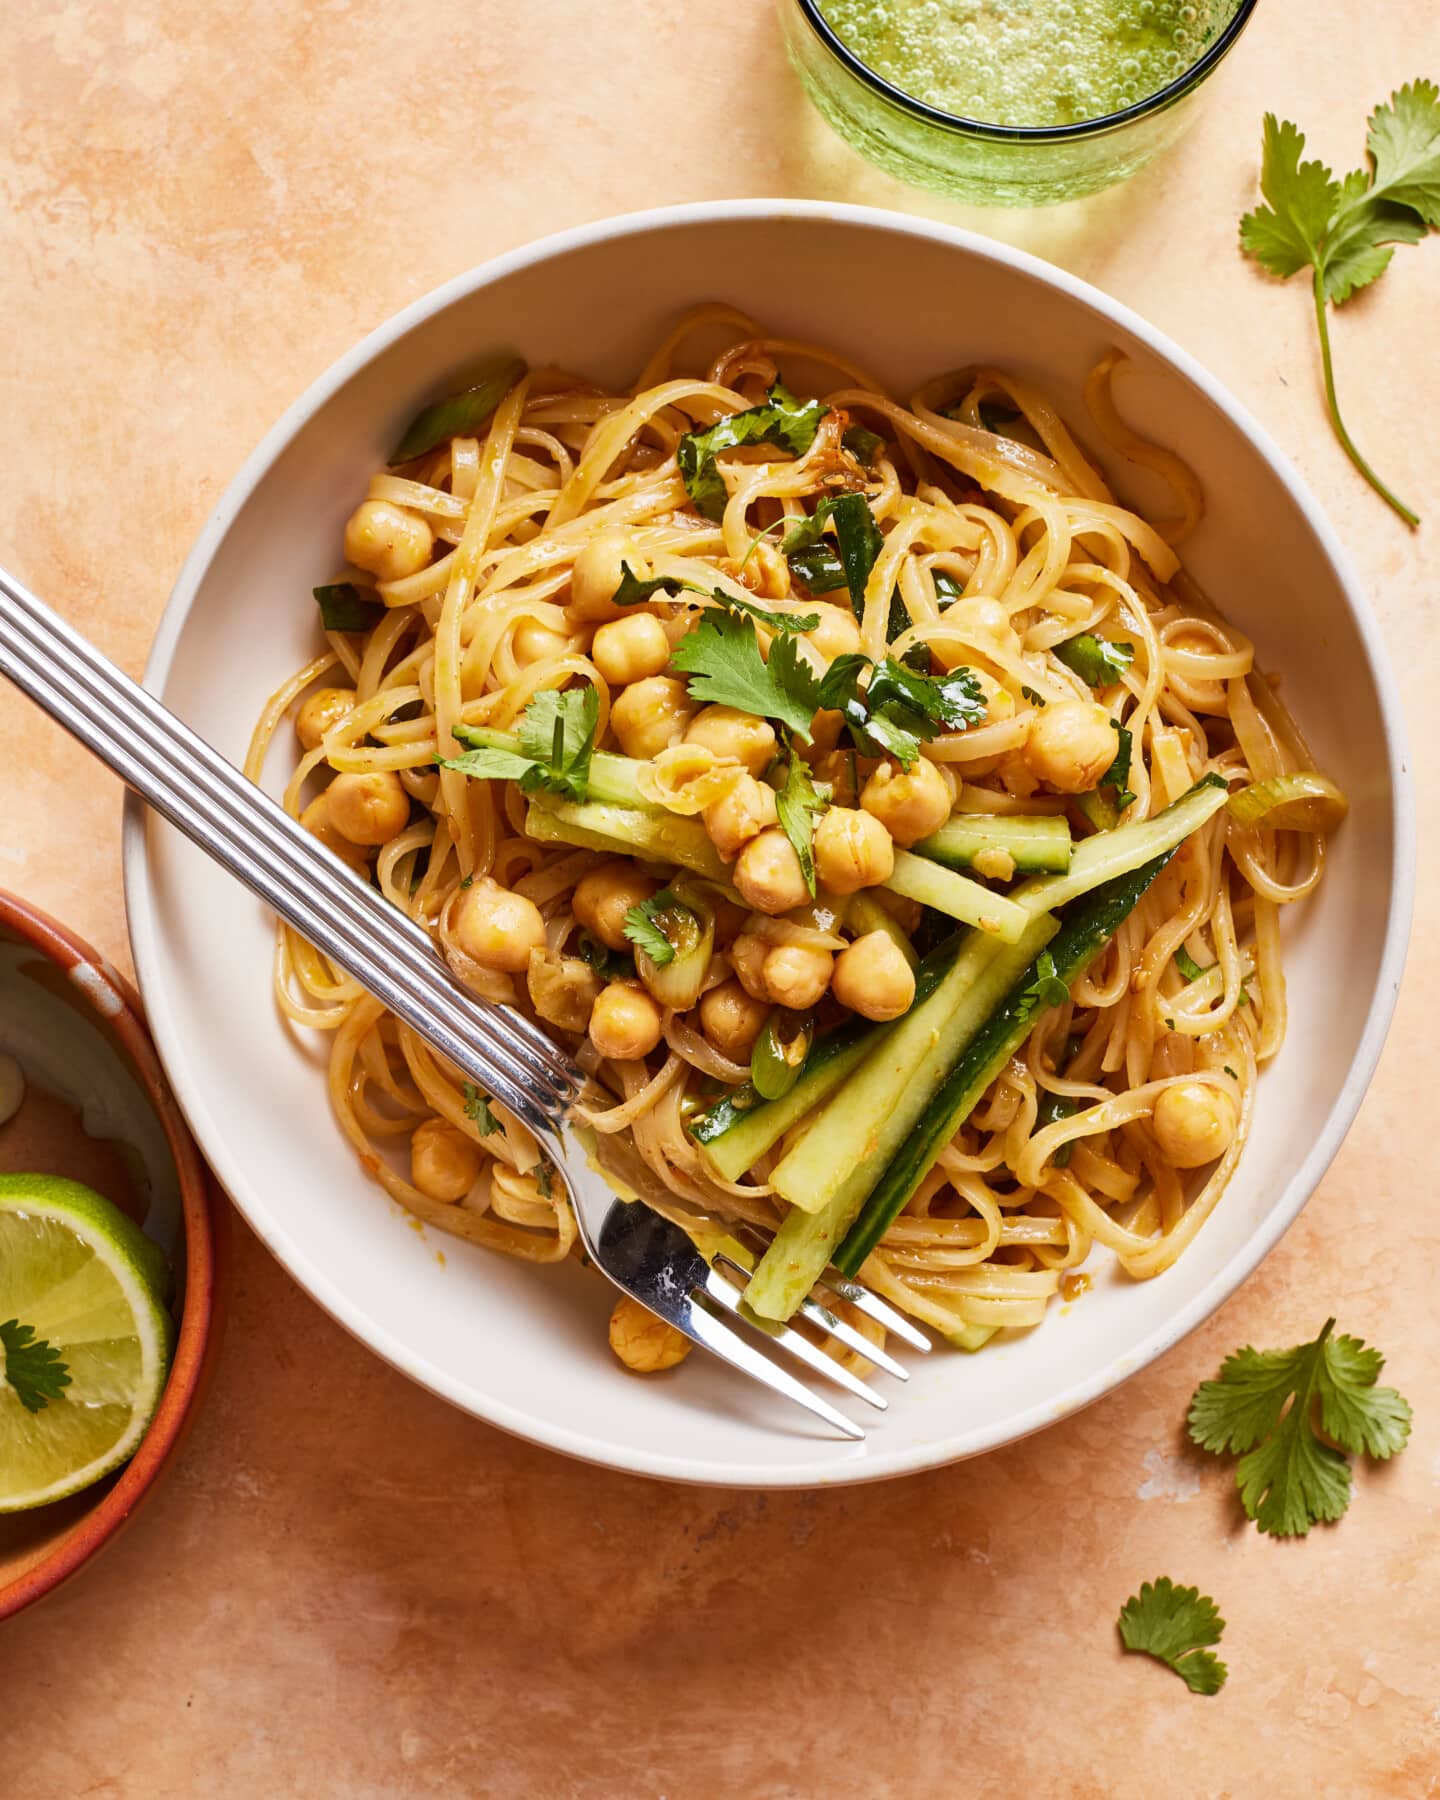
x=188 y=1218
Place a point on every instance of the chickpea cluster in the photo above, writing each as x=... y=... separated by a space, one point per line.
x=874 y=807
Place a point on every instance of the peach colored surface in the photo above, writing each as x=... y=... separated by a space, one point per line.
x=346 y=1588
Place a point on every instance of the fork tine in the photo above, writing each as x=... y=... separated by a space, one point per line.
x=719 y=1338
x=824 y=1320
x=875 y=1308
x=830 y=1322
x=791 y=1342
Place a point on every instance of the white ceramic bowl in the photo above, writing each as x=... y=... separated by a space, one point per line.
x=525 y=1348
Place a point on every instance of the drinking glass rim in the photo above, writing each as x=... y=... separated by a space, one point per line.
x=1029 y=134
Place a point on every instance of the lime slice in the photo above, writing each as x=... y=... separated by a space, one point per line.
x=89 y=1284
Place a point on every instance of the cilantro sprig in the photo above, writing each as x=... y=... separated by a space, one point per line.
x=787 y=423
x=1264 y=1406
x=557 y=740
x=1344 y=231
x=1098 y=661
x=722 y=658
x=477 y=1107
x=1176 y=1625
x=33 y=1367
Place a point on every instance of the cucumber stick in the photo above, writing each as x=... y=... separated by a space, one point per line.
x=1109 y=854
x=855 y=1137
x=918 y=878
x=740 y=1127
x=1033 y=841
x=626 y=831
x=1080 y=940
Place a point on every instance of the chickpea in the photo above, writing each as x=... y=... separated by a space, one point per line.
x=625 y=1024
x=496 y=928
x=853 y=850
x=444 y=1163
x=768 y=873
x=825 y=729
x=872 y=977
x=644 y=1343
x=732 y=1019
x=316 y=820
x=741 y=813
x=325 y=708
x=912 y=803
x=598 y=571
x=604 y=896
x=1194 y=1122
x=650 y=715
x=747 y=959
x=532 y=642
x=728 y=732
x=1071 y=745
x=630 y=649
x=797 y=976
x=837 y=633
x=388 y=540
x=370 y=808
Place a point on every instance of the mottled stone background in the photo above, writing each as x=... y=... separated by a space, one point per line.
x=348 y=1589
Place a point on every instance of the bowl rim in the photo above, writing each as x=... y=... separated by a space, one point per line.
x=148 y=950
x=990 y=130
x=110 y=997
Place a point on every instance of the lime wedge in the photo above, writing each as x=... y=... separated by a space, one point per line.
x=89 y=1285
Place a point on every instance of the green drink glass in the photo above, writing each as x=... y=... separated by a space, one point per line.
x=1014 y=102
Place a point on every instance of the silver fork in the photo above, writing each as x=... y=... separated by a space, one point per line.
x=242 y=828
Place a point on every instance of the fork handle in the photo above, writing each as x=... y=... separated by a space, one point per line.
x=158 y=756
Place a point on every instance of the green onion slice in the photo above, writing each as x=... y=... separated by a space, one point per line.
x=780 y=1052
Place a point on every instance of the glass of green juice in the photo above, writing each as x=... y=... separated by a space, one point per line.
x=1009 y=102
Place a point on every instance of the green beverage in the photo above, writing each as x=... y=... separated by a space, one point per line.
x=1009 y=102
x=1029 y=62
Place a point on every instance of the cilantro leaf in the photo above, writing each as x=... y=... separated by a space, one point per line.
x=33 y=1367
x=819 y=567
x=864 y=445
x=900 y=708
x=1048 y=988
x=344 y=607
x=1174 y=1625
x=1404 y=145
x=1099 y=662
x=632 y=589
x=722 y=658
x=608 y=964
x=1118 y=774
x=557 y=740
x=1344 y=231
x=1188 y=966
x=797 y=803
x=787 y=423
x=858 y=537
x=1288 y=1476
x=775 y=621
x=477 y=1107
x=947 y=588
x=645 y=934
